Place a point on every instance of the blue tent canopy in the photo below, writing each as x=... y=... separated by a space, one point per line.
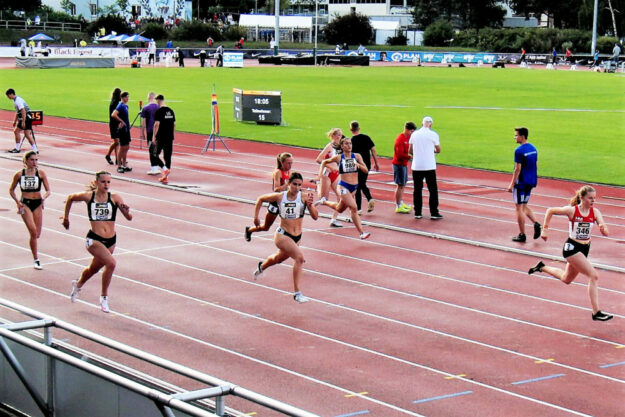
x=40 y=37
x=136 y=38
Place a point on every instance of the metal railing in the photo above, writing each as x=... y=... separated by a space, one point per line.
x=217 y=390
x=43 y=26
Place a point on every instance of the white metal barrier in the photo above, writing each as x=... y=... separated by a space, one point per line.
x=47 y=381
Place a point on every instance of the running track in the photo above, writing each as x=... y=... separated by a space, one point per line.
x=424 y=318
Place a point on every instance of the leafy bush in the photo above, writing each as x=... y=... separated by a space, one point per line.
x=55 y=16
x=605 y=44
x=196 y=30
x=154 y=31
x=438 y=33
x=353 y=29
x=234 y=33
x=109 y=22
x=397 y=40
x=534 y=40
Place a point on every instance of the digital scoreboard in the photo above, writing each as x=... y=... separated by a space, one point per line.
x=263 y=107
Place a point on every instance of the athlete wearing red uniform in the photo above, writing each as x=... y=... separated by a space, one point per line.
x=582 y=216
x=280 y=179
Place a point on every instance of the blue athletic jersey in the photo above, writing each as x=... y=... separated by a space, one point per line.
x=527 y=156
x=122 y=113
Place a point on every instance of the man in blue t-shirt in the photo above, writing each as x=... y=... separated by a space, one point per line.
x=524 y=178
x=120 y=114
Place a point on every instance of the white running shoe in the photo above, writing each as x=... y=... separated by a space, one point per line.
x=154 y=171
x=300 y=298
x=319 y=202
x=37 y=265
x=75 y=291
x=371 y=206
x=335 y=223
x=365 y=235
x=258 y=271
x=104 y=304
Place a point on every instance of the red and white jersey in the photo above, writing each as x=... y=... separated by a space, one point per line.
x=580 y=227
x=329 y=155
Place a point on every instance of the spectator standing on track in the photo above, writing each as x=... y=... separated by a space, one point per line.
x=152 y=52
x=616 y=52
x=280 y=183
x=595 y=61
x=401 y=160
x=202 y=56
x=292 y=204
x=148 y=112
x=30 y=205
x=364 y=146
x=554 y=55
x=582 y=216
x=349 y=165
x=22 y=122
x=220 y=56
x=113 y=127
x=523 y=58
x=102 y=208
x=180 y=55
x=164 y=130
x=120 y=114
x=424 y=145
x=524 y=178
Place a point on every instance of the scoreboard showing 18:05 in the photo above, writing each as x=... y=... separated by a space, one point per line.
x=257 y=106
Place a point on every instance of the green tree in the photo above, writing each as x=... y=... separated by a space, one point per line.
x=25 y=5
x=439 y=33
x=575 y=13
x=463 y=13
x=353 y=29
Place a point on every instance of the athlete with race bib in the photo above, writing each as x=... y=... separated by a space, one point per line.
x=582 y=216
x=349 y=164
x=292 y=205
x=30 y=205
x=102 y=206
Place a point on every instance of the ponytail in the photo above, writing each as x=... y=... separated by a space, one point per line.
x=93 y=185
x=581 y=193
x=281 y=158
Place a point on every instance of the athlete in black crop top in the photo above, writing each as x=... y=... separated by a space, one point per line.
x=30 y=205
x=292 y=204
x=102 y=208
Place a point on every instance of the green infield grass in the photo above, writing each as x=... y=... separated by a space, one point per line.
x=576 y=119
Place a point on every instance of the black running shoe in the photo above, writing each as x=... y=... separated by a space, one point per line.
x=13 y=151
x=537 y=230
x=128 y=169
x=436 y=216
x=108 y=159
x=519 y=238
x=601 y=316
x=248 y=234
x=536 y=268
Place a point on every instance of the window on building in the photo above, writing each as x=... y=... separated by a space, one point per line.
x=94 y=9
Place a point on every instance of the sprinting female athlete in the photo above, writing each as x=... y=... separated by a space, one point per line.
x=102 y=208
x=292 y=206
x=582 y=216
x=30 y=205
x=349 y=164
x=328 y=177
x=280 y=178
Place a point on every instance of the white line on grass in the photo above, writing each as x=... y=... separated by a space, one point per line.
x=523 y=109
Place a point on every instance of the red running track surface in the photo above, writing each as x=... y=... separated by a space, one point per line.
x=435 y=318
